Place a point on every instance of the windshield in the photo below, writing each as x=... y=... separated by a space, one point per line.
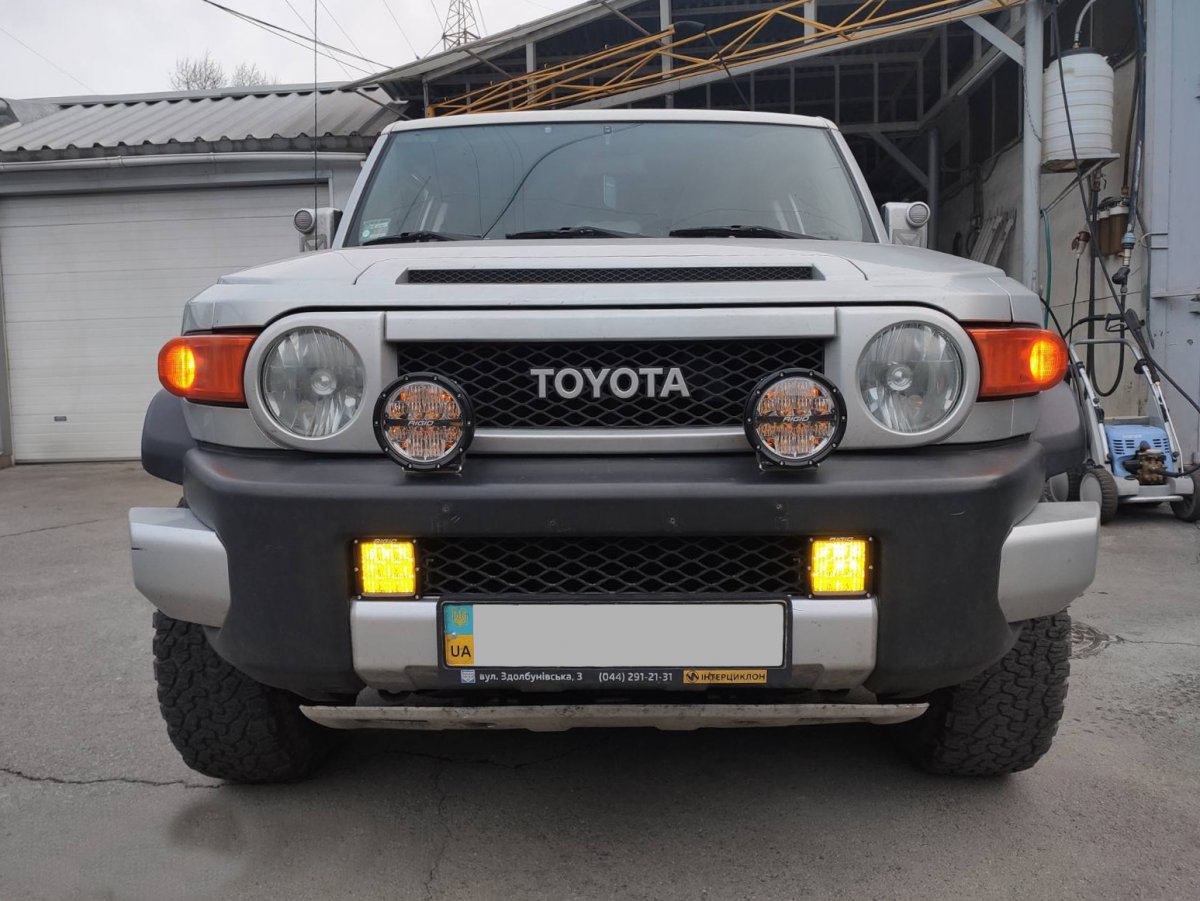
x=602 y=179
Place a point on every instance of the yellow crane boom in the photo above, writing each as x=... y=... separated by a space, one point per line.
x=632 y=65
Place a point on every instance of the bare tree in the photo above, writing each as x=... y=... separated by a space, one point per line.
x=201 y=74
x=248 y=75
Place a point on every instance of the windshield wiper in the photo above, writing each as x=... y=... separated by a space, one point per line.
x=573 y=231
x=418 y=237
x=735 y=231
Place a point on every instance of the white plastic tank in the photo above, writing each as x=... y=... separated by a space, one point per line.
x=1088 y=80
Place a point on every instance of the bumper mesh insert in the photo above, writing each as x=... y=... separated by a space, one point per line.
x=719 y=374
x=610 y=566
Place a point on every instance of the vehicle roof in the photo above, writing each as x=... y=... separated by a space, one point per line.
x=609 y=115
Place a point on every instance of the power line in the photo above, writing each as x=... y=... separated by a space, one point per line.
x=345 y=33
x=306 y=45
x=314 y=34
x=307 y=40
x=48 y=60
x=539 y=6
x=388 y=7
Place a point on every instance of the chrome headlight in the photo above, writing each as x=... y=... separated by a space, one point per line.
x=312 y=382
x=911 y=377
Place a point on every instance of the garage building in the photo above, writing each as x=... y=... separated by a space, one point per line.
x=115 y=210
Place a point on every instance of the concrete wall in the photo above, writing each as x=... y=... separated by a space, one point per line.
x=998 y=188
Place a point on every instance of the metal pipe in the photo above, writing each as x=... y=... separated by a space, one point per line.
x=1079 y=21
x=933 y=188
x=1093 y=252
x=1031 y=146
x=179 y=159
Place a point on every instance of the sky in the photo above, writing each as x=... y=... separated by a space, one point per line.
x=54 y=48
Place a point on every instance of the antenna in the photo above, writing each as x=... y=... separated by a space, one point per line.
x=316 y=121
x=462 y=24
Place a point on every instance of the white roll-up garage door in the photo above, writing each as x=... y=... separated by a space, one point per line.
x=95 y=283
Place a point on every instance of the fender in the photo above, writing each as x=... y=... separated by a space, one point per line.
x=165 y=438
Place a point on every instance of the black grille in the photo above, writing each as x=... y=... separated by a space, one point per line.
x=607 y=276
x=719 y=377
x=729 y=567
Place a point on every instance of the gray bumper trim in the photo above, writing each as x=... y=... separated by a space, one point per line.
x=179 y=564
x=1049 y=559
x=395 y=642
x=559 y=717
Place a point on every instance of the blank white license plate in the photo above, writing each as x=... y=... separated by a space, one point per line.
x=742 y=634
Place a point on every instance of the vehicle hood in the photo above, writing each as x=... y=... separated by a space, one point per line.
x=842 y=272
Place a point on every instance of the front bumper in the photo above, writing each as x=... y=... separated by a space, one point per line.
x=964 y=550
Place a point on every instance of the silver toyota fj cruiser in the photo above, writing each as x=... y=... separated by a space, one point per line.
x=612 y=418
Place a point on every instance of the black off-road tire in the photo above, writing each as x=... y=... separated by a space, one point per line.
x=225 y=724
x=1002 y=721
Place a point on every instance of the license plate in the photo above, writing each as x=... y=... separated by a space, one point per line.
x=644 y=644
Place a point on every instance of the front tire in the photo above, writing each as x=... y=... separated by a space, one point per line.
x=1004 y=720
x=225 y=724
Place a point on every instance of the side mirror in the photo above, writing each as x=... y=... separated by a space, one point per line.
x=316 y=227
x=907 y=223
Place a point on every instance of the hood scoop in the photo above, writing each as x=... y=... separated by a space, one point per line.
x=606 y=276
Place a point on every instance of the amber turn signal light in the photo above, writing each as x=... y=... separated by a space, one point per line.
x=205 y=368
x=1018 y=361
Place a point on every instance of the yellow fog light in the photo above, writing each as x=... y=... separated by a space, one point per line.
x=387 y=566
x=838 y=566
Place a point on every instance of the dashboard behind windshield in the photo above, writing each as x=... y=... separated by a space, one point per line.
x=643 y=179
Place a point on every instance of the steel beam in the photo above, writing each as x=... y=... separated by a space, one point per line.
x=620 y=15
x=869 y=34
x=1031 y=146
x=974 y=74
x=899 y=128
x=900 y=157
x=933 y=168
x=996 y=38
x=664 y=23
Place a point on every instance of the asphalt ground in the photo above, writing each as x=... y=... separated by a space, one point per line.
x=95 y=804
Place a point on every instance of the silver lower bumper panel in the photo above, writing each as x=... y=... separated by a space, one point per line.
x=1049 y=559
x=560 y=717
x=395 y=642
x=179 y=564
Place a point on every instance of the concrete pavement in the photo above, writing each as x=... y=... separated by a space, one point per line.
x=95 y=804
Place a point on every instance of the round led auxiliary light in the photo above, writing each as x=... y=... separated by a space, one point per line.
x=424 y=422
x=795 y=418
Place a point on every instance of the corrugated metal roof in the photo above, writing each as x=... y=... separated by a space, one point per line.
x=271 y=119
